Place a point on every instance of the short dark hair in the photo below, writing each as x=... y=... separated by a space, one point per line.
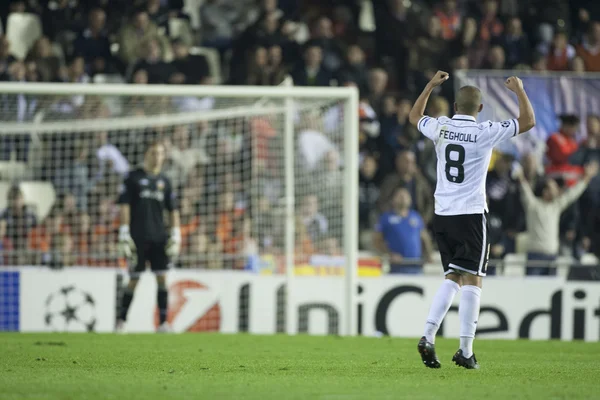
x=14 y=192
x=153 y=143
x=468 y=100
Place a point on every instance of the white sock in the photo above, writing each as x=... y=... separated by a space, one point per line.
x=439 y=307
x=468 y=313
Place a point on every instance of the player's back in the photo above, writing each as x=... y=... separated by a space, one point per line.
x=464 y=150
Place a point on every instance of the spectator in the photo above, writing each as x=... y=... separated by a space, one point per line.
x=153 y=63
x=218 y=19
x=62 y=252
x=93 y=44
x=543 y=215
x=331 y=247
x=157 y=12
x=315 y=223
x=109 y=157
x=312 y=72
x=408 y=176
x=47 y=63
x=258 y=74
x=355 y=69
x=182 y=155
x=531 y=172
x=69 y=211
x=82 y=238
x=539 y=62
x=190 y=222
x=195 y=254
x=322 y=35
x=105 y=225
x=225 y=217
x=489 y=29
x=193 y=67
x=501 y=192
x=428 y=49
x=450 y=18
x=61 y=20
x=368 y=193
x=277 y=69
x=560 y=147
x=15 y=223
x=495 y=59
x=136 y=34
x=401 y=235
x=515 y=43
x=368 y=128
x=74 y=176
x=559 y=53
x=589 y=49
x=41 y=237
x=378 y=82
x=264 y=219
x=549 y=14
x=5 y=58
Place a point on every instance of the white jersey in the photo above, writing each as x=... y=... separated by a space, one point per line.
x=464 y=149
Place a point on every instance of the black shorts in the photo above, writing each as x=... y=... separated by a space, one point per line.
x=152 y=252
x=463 y=242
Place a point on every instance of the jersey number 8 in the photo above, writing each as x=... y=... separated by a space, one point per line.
x=459 y=177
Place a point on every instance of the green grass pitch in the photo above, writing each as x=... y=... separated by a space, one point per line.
x=212 y=366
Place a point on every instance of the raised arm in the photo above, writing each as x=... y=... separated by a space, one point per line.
x=418 y=110
x=526 y=118
x=527 y=195
x=573 y=193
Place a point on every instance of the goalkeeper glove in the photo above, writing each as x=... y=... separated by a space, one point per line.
x=173 y=246
x=127 y=247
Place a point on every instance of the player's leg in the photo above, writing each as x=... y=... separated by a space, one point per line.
x=135 y=269
x=441 y=304
x=443 y=298
x=473 y=261
x=468 y=312
x=159 y=262
x=451 y=285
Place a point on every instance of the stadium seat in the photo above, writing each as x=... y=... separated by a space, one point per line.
x=563 y=264
x=521 y=243
x=589 y=259
x=514 y=264
x=213 y=59
x=22 y=30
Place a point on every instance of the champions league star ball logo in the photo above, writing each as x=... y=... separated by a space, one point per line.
x=71 y=310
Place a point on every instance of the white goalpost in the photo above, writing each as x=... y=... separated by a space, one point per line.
x=267 y=176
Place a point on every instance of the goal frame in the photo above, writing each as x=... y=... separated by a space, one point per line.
x=348 y=95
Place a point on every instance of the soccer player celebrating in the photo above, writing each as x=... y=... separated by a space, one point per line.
x=144 y=195
x=464 y=149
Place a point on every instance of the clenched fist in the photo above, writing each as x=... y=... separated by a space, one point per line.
x=439 y=78
x=514 y=84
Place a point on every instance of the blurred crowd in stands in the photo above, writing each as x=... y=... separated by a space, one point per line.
x=316 y=43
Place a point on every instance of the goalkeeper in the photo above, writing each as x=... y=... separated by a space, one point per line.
x=144 y=196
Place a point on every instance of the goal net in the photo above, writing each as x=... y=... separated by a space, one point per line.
x=265 y=177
